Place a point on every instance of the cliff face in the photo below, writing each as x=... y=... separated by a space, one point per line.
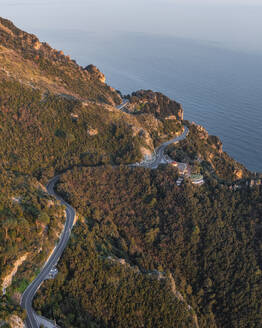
x=53 y=80
x=201 y=147
x=94 y=71
x=7 y=280
x=23 y=57
x=147 y=101
x=55 y=116
x=16 y=322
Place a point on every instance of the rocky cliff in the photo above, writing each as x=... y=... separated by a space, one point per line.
x=93 y=70
x=147 y=101
x=23 y=57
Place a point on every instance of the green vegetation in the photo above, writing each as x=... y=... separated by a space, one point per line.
x=208 y=238
x=149 y=102
x=105 y=293
x=145 y=253
x=21 y=285
x=8 y=306
x=59 y=142
x=30 y=221
x=38 y=65
x=200 y=149
x=54 y=115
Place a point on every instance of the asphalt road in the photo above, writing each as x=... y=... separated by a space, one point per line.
x=29 y=293
x=31 y=290
x=159 y=152
x=123 y=105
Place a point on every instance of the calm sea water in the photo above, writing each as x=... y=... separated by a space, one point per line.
x=220 y=89
x=218 y=82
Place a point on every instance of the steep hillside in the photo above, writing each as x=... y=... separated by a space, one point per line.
x=206 y=152
x=147 y=101
x=67 y=111
x=208 y=239
x=54 y=115
x=108 y=291
x=23 y=57
x=146 y=252
x=30 y=225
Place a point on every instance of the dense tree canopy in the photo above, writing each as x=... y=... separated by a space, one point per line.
x=145 y=253
x=209 y=238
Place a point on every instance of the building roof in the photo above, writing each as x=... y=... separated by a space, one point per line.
x=182 y=166
x=196 y=176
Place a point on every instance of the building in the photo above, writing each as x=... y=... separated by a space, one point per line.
x=179 y=181
x=197 y=179
x=183 y=168
x=74 y=117
x=175 y=164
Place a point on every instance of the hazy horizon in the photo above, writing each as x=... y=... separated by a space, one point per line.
x=205 y=54
x=232 y=24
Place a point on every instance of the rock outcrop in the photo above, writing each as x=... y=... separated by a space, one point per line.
x=8 y=279
x=147 y=101
x=5 y=29
x=92 y=132
x=201 y=131
x=94 y=71
x=35 y=64
x=15 y=322
x=238 y=174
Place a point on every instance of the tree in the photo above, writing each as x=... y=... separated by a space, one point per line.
x=44 y=218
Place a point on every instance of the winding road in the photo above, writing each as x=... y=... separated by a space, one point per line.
x=159 y=152
x=29 y=293
x=123 y=104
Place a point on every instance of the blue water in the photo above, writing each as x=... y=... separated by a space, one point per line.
x=159 y=47
x=219 y=88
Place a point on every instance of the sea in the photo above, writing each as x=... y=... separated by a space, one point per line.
x=219 y=84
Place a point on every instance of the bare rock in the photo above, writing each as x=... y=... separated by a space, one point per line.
x=202 y=132
x=37 y=45
x=238 y=174
x=92 y=132
x=7 y=280
x=93 y=70
x=6 y=29
x=15 y=322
